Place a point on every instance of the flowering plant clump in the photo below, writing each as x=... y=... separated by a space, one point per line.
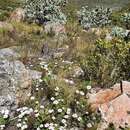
x=118 y=32
x=4 y=118
x=97 y=17
x=52 y=110
x=57 y=114
x=43 y=11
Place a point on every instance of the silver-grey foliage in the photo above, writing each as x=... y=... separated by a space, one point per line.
x=119 y=32
x=43 y=11
x=96 y=17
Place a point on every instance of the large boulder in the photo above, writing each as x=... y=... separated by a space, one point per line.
x=114 y=105
x=15 y=83
x=106 y=95
x=116 y=112
x=8 y=53
x=18 y=15
x=55 y=28
x=15 y=79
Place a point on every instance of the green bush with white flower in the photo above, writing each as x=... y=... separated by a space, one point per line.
x=96 y=17
x=43 y=11
x=53 y=106
x=118 y=32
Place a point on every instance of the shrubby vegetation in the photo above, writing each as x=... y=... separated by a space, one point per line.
x=53 y=103
x=6 y=7
x=53 y=106
x=108 y=63
x=43 y=11
x=96 y=17
x=126 y=20
x=119 y=32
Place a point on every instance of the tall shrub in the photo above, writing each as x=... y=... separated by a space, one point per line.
x=108 y=63
x=96 y=17
x=43 y=11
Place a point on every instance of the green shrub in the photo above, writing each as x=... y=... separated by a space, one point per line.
x=6 y=6
x=119 y=32
x=108 y=63
x=42 y=11
x=96 y=17
x=126 y=20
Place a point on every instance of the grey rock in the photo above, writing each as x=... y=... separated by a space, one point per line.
x=15 y=83
x=49 y=53
x=8 y=53
x=35 y=75
x=55 y=28
x=15 y=79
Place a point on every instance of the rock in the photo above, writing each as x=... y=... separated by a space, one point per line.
x=15 y=83
x=113 y=105
x=17 y=15
x=9 y=54
x=106 y=95
x=117 y=111
x=57 y=31
x=56 y=28
x=35 y=75
x=49 y=53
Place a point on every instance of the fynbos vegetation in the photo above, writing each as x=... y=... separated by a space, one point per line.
x=97 y=17
x=58 y=64
x=43 y=11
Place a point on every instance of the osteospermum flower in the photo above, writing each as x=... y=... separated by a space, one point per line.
x=52 y=98
x=37 y=102
x=79 y=118
x=40 y=80
x=38 y=128
x=53 y=118
x=63 y=121
x=55 y=102
x=37 y=89
x=5 y=116
x=2 y=127
x=66 y=116
x=32 y=98
x=46 y=125
x=50 y=111
x=19 y=125
x=89 y=125
x=77 y=91
x=68 y=111
x=89 y=87
x=41 y=126
x=82 y=93
x=24 y=127
x=57 y=89
x=75 y=115
x=42 y=107
x=37 y=115
x=59 y=110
